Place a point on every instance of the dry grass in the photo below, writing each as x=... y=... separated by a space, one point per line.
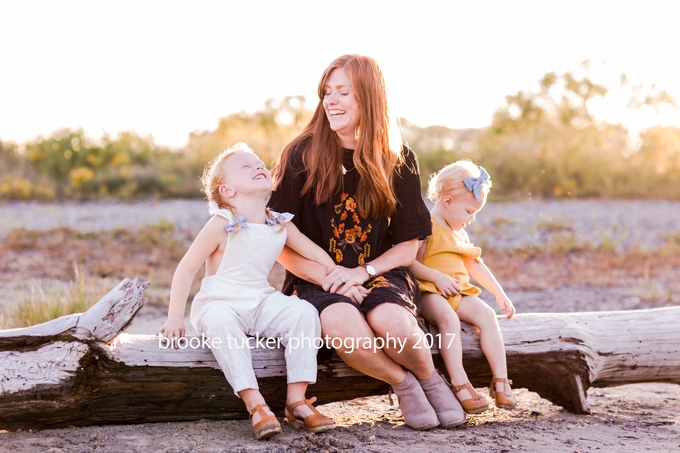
x=38 y=301
x=673 y=240
x=39 y=266
x=540 y=269
x=151 y=252
x=39 y=259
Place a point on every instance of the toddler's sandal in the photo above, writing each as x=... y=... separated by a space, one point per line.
x=474 y=405
x=315 y=423
x=504 y=399
x=268 y=426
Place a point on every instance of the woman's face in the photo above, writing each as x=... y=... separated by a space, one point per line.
x=342 y=109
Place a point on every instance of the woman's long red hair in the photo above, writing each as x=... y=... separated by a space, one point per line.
x=378 y=147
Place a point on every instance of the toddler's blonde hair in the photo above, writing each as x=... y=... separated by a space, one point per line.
x=450 y=180
x=214 y=176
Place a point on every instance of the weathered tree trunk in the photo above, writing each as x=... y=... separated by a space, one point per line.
x=78 y=370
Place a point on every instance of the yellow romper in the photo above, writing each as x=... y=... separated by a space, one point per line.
x=445 y=251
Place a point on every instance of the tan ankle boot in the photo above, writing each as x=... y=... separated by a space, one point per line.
x=445 y=404
x=417 y=411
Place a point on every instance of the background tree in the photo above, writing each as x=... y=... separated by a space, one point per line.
x=549 y=142
x=266 y=131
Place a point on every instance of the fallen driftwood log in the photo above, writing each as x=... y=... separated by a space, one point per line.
x=79 y=370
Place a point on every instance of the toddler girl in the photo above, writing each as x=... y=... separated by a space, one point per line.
x=239 y=246
x=443 y=267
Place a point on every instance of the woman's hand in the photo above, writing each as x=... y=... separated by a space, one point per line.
x=340 y=279
x=506 y=305
x=172 y=329
x=356 y=293
x=348 y=282
x=446 y=284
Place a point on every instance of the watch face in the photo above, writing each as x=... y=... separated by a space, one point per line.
x=371 y=270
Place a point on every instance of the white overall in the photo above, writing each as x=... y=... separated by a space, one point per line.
x=238 y=303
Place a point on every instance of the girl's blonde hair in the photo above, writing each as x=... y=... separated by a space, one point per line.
x=378 y=148
x=450 y=180
x=214 y=176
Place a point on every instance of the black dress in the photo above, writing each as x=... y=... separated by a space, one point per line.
x=350 y=240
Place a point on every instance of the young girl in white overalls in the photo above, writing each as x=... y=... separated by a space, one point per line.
x=239 y=246
x=443 y=267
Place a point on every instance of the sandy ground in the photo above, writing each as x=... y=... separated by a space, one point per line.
x=631 y=418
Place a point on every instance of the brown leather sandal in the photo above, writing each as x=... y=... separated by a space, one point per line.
x=474 y=405
x=315 y=423
x=268 y=425
x=504 y=399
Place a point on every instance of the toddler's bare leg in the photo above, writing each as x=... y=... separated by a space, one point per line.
x=296 y=391
x=475 y=311
x=437 y=311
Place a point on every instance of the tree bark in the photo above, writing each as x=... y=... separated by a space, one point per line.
x=79 y=370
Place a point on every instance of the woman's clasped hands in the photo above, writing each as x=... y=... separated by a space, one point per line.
x=346 y=281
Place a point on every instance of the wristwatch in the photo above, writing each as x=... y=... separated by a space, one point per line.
x=370 y=270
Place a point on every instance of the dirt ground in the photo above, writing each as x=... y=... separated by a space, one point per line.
x=631 y=418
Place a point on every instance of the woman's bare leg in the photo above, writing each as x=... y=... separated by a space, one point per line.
x=404 y=339
x=406 y=344
x=343 y=321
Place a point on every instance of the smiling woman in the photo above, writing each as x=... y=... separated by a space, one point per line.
x=357 y=195
x=341 y=107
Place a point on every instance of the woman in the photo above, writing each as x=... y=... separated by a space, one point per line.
x=357 y=196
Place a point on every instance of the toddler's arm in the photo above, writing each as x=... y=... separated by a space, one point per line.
x=314 y=272
x=484 y=277
x=207 y=241
x=306 y=248
x=446 y=284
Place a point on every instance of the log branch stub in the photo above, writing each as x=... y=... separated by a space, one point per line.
x=114 y=312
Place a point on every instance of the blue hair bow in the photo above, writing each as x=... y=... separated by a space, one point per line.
x=475 y=185
x=240 y=220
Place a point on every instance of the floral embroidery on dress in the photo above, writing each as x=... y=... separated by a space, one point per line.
x=354 y=236
x=377 y=282
x=412 y=287
x=382 y=282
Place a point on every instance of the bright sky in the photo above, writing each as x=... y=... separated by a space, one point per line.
x=168 y=68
